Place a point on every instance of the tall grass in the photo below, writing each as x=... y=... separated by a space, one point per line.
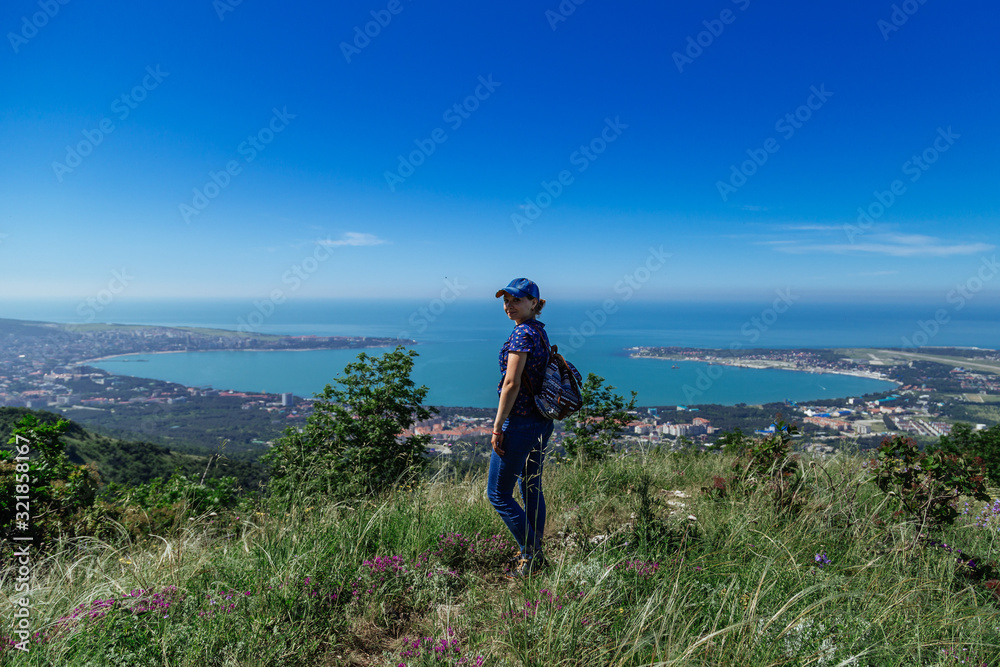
x=645 y=569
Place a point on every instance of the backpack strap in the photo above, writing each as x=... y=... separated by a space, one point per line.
x=550 y=350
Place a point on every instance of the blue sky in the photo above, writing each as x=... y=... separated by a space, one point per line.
x=737 y=139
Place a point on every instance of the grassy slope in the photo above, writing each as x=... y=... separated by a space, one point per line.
x=737 y=586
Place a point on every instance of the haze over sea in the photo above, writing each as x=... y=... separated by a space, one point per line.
x=458 y=347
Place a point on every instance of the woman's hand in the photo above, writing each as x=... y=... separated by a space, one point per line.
x=497 y=442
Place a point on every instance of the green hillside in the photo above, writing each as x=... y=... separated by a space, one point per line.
x=130 y=462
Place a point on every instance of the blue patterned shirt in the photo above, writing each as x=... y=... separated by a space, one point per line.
x=527 y=337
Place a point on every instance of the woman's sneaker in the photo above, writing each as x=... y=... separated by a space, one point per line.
x=528 y=565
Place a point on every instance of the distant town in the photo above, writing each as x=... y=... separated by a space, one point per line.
x=44 y=366
x=675 y=427
x=936 y=388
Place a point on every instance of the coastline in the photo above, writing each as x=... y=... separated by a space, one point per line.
x=300 y=349
x=781 y=366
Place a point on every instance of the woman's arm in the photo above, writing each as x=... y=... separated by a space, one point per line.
x=516 y=362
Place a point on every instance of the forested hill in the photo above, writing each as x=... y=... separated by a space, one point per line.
x=132 y=462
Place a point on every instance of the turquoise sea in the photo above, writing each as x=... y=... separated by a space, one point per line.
x=458 y=343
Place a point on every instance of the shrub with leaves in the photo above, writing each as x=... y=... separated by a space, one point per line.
x=732 y=442
x=964 y=441
x=54 y=488
x=594 y=430
x=764 y=462
x=928 y=485
x=211 y=494
x=161 y=507
x=353 y=444
x=768 y=456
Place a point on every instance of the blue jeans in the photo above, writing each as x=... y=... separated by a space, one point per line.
x=524 y=443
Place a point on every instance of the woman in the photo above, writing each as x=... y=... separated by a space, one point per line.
x=520 y=432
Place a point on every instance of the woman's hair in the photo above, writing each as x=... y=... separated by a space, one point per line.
x=538 y=307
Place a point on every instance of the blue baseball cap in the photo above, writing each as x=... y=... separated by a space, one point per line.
x=520 y=287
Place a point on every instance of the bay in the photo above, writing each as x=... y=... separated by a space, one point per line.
x=456 y=375
x=458 y=342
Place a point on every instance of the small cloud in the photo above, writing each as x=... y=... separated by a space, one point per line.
x=872 y=274
x=815 y=238
x=909 y=239
x=892 y=247
x=353 y=239
x=808 y=227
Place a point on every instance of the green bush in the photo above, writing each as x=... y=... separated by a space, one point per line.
x=39 y=495
x=594 y=429
x=352 y=444
x=763 y=464
x=928 y=485
x=965 y=442
x=214 y=494
x=733 y=442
